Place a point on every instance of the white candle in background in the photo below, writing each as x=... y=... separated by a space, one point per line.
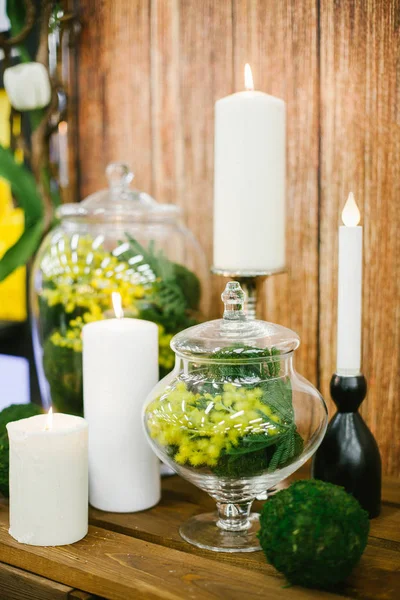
x=349 y=291
x=48 y=479
x=249 y=181
x=63 y=154
x=120 y=367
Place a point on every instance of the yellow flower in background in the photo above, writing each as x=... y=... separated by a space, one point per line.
x=83 y=278
x=12 y=289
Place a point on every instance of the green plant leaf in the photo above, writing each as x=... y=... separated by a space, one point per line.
x=168 y=300
x=23 y=186
x=16 y=12
x=23 y=249
x=53 y=194
x=249 y=445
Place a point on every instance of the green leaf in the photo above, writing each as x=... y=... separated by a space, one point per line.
x=53 y=194
x=23 y=186
x=253 y=445
x=168 y=297
x=190 y=285
x=277 y=394
x=23 y=249
x=16 y=12
x=36 y=116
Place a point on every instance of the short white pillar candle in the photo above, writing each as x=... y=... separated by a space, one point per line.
x=48 y=480
x=120 y=367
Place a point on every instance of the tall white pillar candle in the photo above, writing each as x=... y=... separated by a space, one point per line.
x=349 y=291
x=48 y=480
x=249 y=182
x=120 y=367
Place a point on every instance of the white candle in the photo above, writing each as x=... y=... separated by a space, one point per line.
x=63 y=154
x=249 y=182
x=48 y=480
x=349 y=291
x=120 y=367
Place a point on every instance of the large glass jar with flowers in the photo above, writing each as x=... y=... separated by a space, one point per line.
x=117 y=240
x=234 y=418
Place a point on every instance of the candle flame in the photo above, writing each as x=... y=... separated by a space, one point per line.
x=63 y=127
x=117 y=305
x=350 y=213
x=248 y=78
x=49 y=420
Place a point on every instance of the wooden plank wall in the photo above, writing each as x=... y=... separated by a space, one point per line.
x=150 y=73
x=360 y=150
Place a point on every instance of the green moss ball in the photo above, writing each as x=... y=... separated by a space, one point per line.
x=314 y=533
x=15 y=412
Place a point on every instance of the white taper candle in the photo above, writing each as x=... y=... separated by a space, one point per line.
x=349 y=291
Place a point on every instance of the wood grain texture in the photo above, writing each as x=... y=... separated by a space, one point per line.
x=197 y=54
x=119 y=567
x=16 y=584
x=279 y=40
x=360 y=150
x=376 y=577
x=114 y=90
x=79 y=595
x=150 y=72
x=191 y=67
x=141 y=555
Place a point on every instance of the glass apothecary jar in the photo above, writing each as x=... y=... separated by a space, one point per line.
x=234 y=418
x=117 y=240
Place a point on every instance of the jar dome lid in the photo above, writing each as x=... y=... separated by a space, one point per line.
x=118 y=202
x=240 y=336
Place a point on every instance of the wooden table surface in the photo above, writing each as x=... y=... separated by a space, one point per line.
x=141 y=556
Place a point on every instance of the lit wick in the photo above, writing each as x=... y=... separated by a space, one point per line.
x=49 y=421
x=117 y=305
x=248 y=78
x=350 y=213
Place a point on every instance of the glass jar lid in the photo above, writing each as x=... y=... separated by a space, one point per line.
x=234 y=337
x=119 y=202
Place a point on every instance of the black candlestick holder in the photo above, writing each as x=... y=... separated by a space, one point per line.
x=349 y=455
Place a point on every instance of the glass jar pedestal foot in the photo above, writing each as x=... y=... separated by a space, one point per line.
x=231 y=529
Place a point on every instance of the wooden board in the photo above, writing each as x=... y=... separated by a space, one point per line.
x=141 y=555
x=279 y=40
x=114 y=90
x=119 y=567
x=360 y=151
x=377 y=576
x=16 y=584
x=149 y=74
x=191 y=67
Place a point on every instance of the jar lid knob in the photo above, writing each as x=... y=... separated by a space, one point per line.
x=119 y=176
x=234 y=298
